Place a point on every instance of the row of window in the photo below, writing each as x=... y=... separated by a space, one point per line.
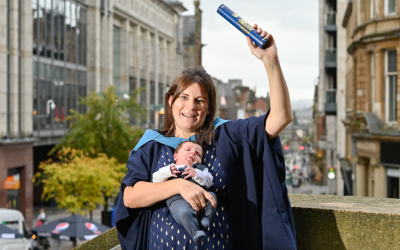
x=147 y=12
x=63 y=96
x=55 y=92
x=59 y=30
x=50 y=72
x=389 y=7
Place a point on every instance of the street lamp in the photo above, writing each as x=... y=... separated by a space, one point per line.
x=161 y=111
x=50 y=105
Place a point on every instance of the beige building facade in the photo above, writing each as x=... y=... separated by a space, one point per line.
x=330 y=132
x=373 y=96
x=135 y=44
x=55 y=51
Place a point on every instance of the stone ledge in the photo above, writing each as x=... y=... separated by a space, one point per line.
x=325 y=222
x=346 y=222
x=106 y=241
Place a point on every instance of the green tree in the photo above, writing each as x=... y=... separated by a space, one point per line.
x=79 y=182
x=295 y=118
x=105 y=127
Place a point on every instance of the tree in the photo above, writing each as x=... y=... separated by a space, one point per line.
x=105 y=127
x=79 y=182
x=295 y=118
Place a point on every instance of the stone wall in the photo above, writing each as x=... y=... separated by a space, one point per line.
x=346 y=222
x=326 y=222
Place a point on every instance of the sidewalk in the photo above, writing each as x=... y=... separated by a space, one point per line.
x=52 y=214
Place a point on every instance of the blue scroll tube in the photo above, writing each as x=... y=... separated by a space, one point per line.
x=242 y=25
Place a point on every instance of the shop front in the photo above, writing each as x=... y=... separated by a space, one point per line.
x=16 y=171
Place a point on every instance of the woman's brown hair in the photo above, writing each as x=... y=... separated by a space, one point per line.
x=205 y=134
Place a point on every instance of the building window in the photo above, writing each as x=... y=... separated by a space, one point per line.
x=372 y=80
x=143 y=94
x=152 y=93
x=390 y=7
x=116 y=58
x=391 y=88
x=59 y=33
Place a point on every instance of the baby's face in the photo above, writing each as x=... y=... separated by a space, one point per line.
x=189 y=154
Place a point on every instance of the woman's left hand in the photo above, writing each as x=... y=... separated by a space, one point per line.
x=270 y=52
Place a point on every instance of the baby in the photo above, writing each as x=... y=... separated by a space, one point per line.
x=187 y=157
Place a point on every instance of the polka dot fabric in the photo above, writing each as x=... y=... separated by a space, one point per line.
x=165 y=233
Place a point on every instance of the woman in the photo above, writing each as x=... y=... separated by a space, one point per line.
x=244 y=156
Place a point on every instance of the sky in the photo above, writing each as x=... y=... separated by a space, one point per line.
x=294 y=25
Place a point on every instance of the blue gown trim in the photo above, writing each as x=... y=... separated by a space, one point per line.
x=150 y=135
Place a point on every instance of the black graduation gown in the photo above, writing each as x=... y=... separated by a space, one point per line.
x=256 y=179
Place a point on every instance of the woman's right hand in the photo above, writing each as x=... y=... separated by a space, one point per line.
x=195 y=195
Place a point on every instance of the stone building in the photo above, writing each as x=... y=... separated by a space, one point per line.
x=330 y=108
x=226 y=101
x=192 y=46
x=373 y=96
x=53 y=51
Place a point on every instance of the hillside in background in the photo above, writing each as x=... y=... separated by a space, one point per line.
x=301 y=104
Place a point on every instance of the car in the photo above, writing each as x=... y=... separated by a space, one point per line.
x=15 y=220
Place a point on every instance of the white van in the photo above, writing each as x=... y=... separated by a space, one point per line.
x=15 y=220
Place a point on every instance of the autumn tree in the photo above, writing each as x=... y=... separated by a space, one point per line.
x=79 y=182
x=105 y=127
x=90 y=159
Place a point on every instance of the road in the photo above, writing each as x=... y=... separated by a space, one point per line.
x=298 y=168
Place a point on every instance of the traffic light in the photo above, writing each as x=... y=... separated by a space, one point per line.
x=331 y=173
x=301 y=147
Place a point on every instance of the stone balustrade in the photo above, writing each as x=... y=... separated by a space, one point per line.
x=325 y=222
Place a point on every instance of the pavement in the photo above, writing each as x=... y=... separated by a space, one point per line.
x=52 y=214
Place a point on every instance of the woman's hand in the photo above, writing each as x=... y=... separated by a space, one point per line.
x=270 y=52
x=195 y=195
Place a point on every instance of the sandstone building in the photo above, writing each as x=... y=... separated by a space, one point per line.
x=373 y=96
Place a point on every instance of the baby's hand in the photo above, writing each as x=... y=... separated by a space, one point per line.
x=190 y=172
x=174 y=170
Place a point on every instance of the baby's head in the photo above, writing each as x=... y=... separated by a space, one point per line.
x=188 y=153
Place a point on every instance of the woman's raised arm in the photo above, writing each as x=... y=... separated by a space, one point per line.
x=281 y=110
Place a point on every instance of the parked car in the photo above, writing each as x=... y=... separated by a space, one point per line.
x=15 y=220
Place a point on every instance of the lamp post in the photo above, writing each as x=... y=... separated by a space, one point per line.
x=50 y=105
x=157 y=114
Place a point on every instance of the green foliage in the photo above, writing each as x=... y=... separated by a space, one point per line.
x=79 y=182
x=105 y=127
x=295 y=118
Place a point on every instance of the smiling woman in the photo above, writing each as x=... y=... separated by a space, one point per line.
x=244 y=158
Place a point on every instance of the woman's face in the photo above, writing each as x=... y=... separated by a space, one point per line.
x=189 y=110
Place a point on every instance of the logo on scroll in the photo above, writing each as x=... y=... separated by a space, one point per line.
x=246 y=28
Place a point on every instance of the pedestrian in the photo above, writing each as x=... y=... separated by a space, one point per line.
x=41 y=219
x=244 y=157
